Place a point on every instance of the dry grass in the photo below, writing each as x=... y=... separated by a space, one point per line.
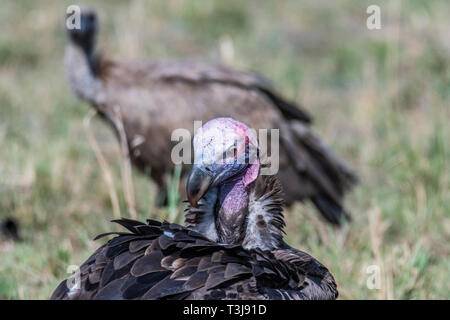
x=380 y=98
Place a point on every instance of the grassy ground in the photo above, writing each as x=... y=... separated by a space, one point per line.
x=380 y=98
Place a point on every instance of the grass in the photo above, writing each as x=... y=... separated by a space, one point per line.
x=379 y=98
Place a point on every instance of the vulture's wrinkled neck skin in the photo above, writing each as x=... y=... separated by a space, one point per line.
x=233 y=207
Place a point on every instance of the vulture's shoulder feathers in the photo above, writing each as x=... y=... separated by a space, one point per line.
x=168 y=261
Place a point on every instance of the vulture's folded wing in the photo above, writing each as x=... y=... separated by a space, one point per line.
x=168 y=261
x=320 y=284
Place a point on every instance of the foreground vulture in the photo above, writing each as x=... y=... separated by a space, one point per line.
x=231 y=247
x=151 y=99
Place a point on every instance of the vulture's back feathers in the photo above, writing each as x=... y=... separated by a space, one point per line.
x=168 y=261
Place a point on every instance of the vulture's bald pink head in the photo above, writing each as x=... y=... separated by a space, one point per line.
x=224 y=150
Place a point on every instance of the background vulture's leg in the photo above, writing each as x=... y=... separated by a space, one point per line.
x=161 y=193
x=162 y=198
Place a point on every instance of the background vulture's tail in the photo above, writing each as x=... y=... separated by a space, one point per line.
x=329 y=176
x=331 y=210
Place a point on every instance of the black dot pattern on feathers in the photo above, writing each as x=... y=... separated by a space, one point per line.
x=168 y=261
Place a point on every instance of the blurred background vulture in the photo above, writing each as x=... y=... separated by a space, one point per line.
x=150 y=99
x=232 y=247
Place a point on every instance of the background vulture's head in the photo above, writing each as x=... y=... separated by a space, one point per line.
x=84 y=36
x=224 y=150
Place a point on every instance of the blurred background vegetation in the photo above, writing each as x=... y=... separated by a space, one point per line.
x=380 y=98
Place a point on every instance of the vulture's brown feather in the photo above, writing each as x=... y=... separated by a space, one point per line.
x=140 y=265
x=154 y=98
x=148 y=263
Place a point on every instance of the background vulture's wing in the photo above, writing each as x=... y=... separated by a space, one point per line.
x=321 y=175
x=201 y=72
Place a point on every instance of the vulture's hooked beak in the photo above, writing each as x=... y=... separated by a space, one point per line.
x=198 y=183
x=203 y=178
